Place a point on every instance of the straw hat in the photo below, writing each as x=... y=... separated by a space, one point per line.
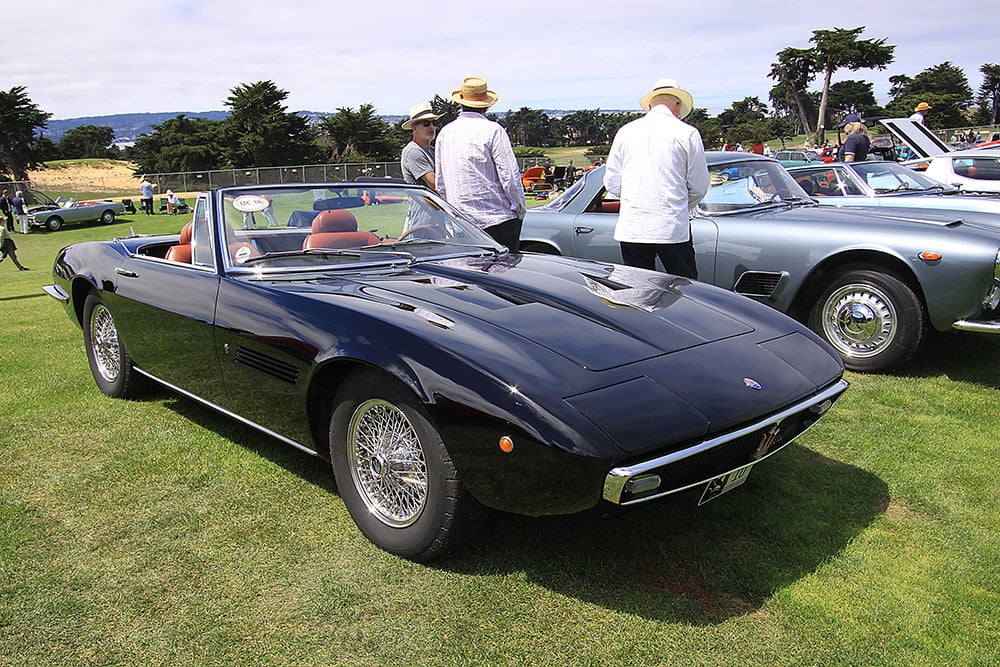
x=419 y=112
x=668 y=87
x=923 y=106
x=474 y=93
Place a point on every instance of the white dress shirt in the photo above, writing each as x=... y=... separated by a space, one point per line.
x=657 y=168
x=476 y=170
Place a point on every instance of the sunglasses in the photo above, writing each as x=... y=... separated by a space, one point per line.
x=426 y=123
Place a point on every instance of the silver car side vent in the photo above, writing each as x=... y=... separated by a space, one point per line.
x=263 y=363
x=757 y=283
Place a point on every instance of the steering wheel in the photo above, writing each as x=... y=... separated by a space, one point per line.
x=435 y=232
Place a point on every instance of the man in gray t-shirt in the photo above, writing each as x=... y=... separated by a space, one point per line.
x=417 y=160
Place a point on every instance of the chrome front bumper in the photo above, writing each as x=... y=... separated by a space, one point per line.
x=702 y=462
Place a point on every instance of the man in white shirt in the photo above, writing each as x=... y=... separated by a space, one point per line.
x=475 y=167
x=657 y=168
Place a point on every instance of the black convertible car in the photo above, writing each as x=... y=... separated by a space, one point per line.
x=368 y=324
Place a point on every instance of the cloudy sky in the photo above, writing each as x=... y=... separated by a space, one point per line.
x=100 y=57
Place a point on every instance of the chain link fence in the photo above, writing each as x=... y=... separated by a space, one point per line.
x=198 y=181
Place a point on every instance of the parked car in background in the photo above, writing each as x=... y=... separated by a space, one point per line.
x=892 y=188
x=972 y=170
x=53 y=214
x=791 y=158
x=872 y=286
x=437 y=372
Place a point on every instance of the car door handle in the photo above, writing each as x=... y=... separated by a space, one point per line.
x=126 y=273
x=583 y=230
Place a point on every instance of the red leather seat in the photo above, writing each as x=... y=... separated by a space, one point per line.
x=337 y=228
x=182 y=251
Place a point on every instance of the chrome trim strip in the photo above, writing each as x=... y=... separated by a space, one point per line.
x=614 y=482
x=978 y=326
x=56 y=292
x=231 y=415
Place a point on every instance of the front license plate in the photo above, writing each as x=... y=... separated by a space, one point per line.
x=724 y=483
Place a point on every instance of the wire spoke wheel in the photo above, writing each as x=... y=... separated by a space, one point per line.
x=105 y=344
x=387 y=463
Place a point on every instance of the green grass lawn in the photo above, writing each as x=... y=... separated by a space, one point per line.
x=157 y=532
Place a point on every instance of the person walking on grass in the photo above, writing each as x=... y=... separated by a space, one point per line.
x=8 y=248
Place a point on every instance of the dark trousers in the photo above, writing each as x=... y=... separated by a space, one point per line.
x=146 y=205
x=507 y=233
x=9 y=249
x=677 y=258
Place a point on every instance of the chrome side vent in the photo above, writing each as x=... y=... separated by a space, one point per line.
x=757 y=283
x=262 y=363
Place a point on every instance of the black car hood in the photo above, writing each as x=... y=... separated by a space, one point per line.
x=700 y=358
x=596 y=316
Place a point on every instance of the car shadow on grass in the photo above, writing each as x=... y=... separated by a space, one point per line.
x=674 y=561
x=669 y=560
x=963 y=357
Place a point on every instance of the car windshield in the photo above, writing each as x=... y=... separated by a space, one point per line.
x=560 y=202
x=887 y=177
x=744 y=185
x=306 y=226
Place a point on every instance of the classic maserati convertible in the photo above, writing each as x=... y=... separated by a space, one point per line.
x=440 y=374
x=872 y=285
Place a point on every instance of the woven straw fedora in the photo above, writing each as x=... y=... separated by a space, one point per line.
x=668 y=87
x=474 y=93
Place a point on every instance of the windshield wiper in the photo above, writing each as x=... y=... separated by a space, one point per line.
x=902 y=187
x=325 y=252
x=439 y=242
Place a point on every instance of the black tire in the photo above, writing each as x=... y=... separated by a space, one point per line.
x=874 y=320
x=108 y=217
x=54 y=223
x=110 y=364
x=408 y=500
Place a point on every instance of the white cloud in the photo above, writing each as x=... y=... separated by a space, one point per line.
x=120 y=56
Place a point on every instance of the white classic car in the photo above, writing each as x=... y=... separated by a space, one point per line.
x=972 y=170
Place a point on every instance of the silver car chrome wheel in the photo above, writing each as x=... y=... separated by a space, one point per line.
x=859 y=320
x=873 y=319
x=387 y=464
x=105 y=344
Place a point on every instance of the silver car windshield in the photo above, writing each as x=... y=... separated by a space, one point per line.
x=886 y=177
x=745 y=185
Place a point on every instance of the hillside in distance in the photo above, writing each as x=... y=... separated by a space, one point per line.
x=130 y=126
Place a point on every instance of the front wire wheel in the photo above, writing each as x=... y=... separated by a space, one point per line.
x=387 y=464
x=109 y=362
x=393 y=471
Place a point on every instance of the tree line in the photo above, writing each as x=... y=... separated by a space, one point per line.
x=259 y=131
